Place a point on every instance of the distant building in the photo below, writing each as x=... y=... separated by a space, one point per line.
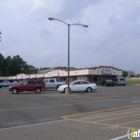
x=129 y=74
x=92 y=74
x=3 y=78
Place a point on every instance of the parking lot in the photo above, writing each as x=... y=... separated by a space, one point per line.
x=105 y=114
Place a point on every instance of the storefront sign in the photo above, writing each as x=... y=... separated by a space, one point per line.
x=39 y=75
x=55 y=74
x=107 y=72
x=32 y=76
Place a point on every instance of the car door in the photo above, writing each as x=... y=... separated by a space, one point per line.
x=30 y=85
x=77 y=86
x=23 y=86
x=86 y=85
x=82 y=86
x=73 y=86
x=52 y=83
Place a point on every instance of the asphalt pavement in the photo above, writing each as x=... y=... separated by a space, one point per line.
x=105 y=114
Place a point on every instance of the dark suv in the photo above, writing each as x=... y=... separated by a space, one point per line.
x=28 y=85
x=107 y=82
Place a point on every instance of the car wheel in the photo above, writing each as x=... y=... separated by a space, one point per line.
x=64 y=90
x=124 y=85
x=14 y=91
x=38 y=90
x=89 y=89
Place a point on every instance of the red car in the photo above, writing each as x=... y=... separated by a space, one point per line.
x=28 y=85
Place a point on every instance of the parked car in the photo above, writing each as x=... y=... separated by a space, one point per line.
x=107 y=82
x=79 y=85
x=28 y=85
x=119 y=81
x=53 y=83
x=6 y=83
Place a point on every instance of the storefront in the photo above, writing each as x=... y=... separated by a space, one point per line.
x=92 y=74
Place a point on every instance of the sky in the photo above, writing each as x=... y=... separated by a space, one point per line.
x=112 y=38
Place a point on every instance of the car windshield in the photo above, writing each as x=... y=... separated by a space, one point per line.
x=57 y=80
x=24 y=83
x=71 y=83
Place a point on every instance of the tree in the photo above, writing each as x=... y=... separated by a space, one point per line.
x=7 y=65
x=1 y=64
x=124 y=74
x=14 y=66
x=17 y=64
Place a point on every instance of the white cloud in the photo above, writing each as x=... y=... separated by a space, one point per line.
x=111 y=39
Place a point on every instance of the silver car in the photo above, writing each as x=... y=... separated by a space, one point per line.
x=119 y=81
x=79 y=85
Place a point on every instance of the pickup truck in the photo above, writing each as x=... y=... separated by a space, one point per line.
x=6 y=84
x=53 y=83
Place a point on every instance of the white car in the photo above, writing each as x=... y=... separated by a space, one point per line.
x=79 y=85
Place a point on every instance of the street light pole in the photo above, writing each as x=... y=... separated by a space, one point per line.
x=68 y=78
x=68 y=59
x=0 y=36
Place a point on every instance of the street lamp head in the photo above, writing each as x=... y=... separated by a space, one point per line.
x=85 y=26
x=50 y=18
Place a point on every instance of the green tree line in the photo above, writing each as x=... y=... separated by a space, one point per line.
x=15 y=65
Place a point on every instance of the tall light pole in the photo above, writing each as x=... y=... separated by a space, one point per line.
x=0 y=41
x=68 y=78
x=0 y=36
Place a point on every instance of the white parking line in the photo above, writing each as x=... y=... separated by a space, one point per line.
x=135 y=101
x=120 y=137
x=23 y=126
x=54 y=105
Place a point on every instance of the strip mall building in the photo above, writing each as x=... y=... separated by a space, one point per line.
x=92 y=74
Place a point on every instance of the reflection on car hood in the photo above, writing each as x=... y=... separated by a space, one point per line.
x=63 y=86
